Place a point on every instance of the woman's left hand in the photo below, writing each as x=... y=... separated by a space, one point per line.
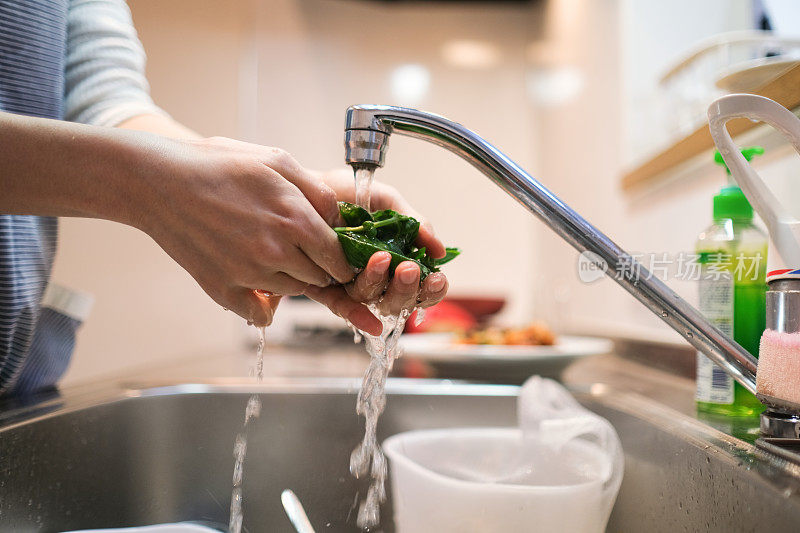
x=372 y=285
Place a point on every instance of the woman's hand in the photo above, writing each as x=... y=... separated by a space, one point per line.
x=240 y=217
x=372 y=285
x=246 y=221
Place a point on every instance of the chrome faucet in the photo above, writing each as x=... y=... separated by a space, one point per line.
x=367 y=131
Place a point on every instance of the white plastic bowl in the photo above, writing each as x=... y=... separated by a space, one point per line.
x=488 y=479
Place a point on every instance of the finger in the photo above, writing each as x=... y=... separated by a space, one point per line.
x=433 y=290
x=403 y=289
x=280 y=283
x=315 y=238
x=321 y=245
x=341 y=181
x=370 y=284
x=268 y=303
x=430 y=241
x=320 y=195
x=272 y=299
x=337 y=300
x=255 y=307
x=301 y=268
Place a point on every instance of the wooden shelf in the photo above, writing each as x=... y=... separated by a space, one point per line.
x=784 y=89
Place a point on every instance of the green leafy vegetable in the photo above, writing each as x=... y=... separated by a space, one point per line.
x=353 y=215
x=385 y=231
x=449 y=255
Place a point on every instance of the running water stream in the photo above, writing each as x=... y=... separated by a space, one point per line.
x=368 y=456
x=363 y=177
x=383 y=350
x=253 y=410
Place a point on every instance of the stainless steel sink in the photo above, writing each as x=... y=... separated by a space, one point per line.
x=124 y=457
x=165 y=454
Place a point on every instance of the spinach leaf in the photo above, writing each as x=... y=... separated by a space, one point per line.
x=387 y=231
x=359 y=248
x=353 y=215
x=449 y=255
x=400 y=230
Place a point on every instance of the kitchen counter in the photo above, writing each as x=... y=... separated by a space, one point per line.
x=632 y=376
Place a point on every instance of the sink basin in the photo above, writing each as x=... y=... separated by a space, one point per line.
x=153 y=455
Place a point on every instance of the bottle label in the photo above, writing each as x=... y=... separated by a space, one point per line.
x=714 y=385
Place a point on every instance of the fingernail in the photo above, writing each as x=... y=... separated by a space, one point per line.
x=383 y=261
x=408 y=275
x=436 y=283
x=378 y=269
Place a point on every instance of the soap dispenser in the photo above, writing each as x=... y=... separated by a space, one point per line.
x=778 y=377
x=732 y=254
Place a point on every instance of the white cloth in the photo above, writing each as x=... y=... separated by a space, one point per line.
x=105 y=82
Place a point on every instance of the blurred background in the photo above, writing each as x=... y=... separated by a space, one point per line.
x=584 y=94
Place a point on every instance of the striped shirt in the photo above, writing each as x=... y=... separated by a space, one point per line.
x=33 y=36
x=74 y=59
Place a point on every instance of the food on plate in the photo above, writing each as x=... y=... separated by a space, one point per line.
x=534 y=334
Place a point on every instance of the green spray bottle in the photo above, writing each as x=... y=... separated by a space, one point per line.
x=732 y=255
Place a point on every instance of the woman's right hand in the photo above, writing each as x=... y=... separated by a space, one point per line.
x=239 y=217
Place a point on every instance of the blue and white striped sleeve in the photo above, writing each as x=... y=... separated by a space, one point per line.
x=105 y=83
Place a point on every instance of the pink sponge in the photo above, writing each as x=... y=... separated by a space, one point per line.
x=778 y=373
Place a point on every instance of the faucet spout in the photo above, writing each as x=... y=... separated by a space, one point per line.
x=367 y=131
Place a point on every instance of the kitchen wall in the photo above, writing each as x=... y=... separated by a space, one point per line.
x=281 y=73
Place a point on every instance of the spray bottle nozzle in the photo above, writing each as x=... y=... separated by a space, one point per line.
x=731 y=202
x=749 y=153
x=783 y=225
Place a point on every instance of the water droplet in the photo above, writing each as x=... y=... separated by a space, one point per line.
x=356 y=335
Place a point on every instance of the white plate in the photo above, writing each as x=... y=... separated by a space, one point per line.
x=439 y=347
